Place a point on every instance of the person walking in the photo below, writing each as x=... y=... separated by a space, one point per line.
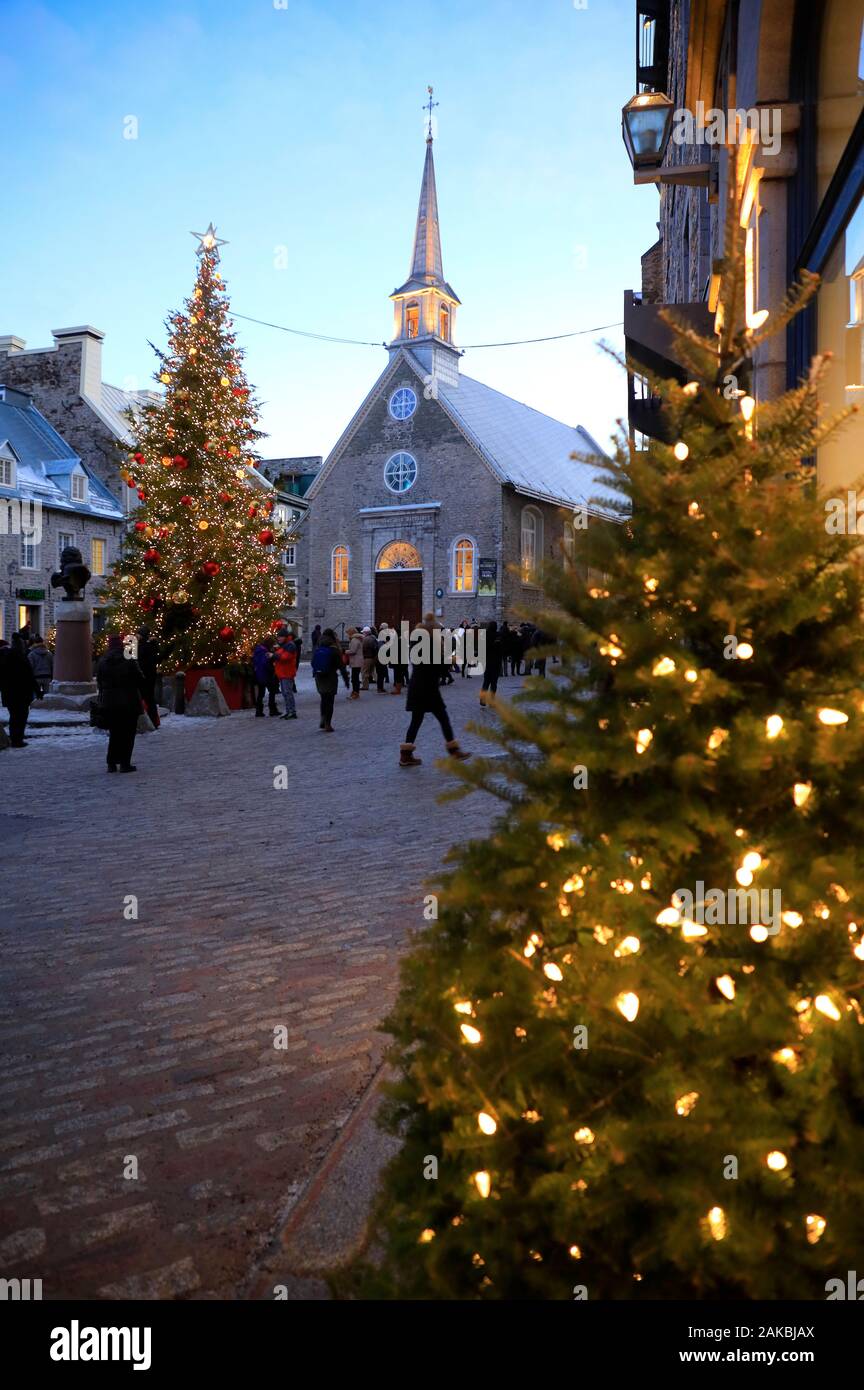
x=370 y=656
x=424 y=697
x=121 y=689
x=491 y=664
x=326 y=664
x=265 y=678
x=355 y=660
x=381 y=673
x=148 y=660
x=42 y=663
x=504 y=639
x=316 y=635
x=515 y=652
x=18 y=688
x=285 y=666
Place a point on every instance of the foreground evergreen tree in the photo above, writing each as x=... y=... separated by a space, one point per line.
x=200 y=563
x=620 y=1101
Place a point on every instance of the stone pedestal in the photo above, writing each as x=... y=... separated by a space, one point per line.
x=73 y=684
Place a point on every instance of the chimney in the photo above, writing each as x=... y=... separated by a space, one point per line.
x=91 y=357
x=9 y=344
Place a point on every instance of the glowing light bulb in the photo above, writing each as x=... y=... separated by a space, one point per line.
x=748 y=405
x=757 y=319
x=425 y=1236
x=575 y=1253
x=758 y=932
x=815 y=1226
x=664 y=667
x=691 y=931
x=858 y=951
x=744 y=651
x=691 y=675
x=684 y=1104
x=826 y=1006
x=691 y=389
x=791 y=919
x=556 y=841
x=573 y=884
x=726 y=986
x=651 y=585
x=628 y=1005
x=787 y=1057
x=773 y=725
x=643 y=739
x=584 y=1135
x=483 y=1183
x=744 y=877
x=832 y=716
x=486 y=1122
x=470 y=1034
x=776 y=1161
x=716 y=738
x=669 y=917
x=630 y=945
x=681 y=451
x=464 y=1007
x=752 y=860
x=717 y=1223
x=553 y=971
x=529 y=950
x=693 y=509
x=801 y=793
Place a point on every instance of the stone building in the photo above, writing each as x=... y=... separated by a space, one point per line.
x=50 y=498
x=441 y=493
x=794 y=72
x=65 y=382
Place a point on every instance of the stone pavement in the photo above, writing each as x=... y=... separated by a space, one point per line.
x=146 y=1045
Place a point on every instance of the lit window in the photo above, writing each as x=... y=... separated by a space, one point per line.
x=463 y=566
x=403 y=403
x=339 y=570
x=290 y=556
x=412 y=320
x=569 y=543
x=97 y=557
x=532 y=544
x=444 y=330
x=29 y=553
x=400 y=472
x=399 y=555
x=79 y=487
x=64 y=540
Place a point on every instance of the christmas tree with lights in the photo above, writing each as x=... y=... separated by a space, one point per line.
x=201 y=561
x=626 y=1067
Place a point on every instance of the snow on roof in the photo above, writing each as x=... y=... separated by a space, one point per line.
x=42 y=454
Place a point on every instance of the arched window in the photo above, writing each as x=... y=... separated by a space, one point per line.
x=569 y=542
x=339 y=563
x=463 y=569
x=444 y=329
x=412 y=320
x=532 y=544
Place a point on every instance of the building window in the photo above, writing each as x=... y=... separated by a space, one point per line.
x=7 y=473
x=403 y=403
x=399 y=555
x=412 y=320
x=444 y=329
x=97 y=558
x=79 y=487
x=290 y=556
x=339 y=563
x=532 y=543
x=463 y=580
x=290 y=595
x=29 y=553
x=400 y=472
x=64 y=539
x=569 y=544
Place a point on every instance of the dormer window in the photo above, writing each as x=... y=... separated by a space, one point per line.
x=79 y=487
x=7 y=473
x=412 y=320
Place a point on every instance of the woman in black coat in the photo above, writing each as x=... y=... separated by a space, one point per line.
x=491 y=662
x=18 y=688
x=424 y=697
x=121 y=687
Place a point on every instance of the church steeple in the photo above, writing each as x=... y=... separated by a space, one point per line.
x=425 y=305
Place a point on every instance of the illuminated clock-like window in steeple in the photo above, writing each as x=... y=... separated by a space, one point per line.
x=412 y=320
x=444 y=326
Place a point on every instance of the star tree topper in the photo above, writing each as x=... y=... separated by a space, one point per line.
x=209 y=240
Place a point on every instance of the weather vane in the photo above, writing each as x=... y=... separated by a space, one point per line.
x=429 y=106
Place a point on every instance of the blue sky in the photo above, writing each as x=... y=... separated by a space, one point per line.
x=297 y=124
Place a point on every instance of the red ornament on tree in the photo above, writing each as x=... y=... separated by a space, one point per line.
x=226 y=633
x=252 y=510
x=141 y=494
x=180 y=461
x=152 y=557
x=140 y=526
x=131 y=483
x=225 y=497
x=266 y=537
x=211 y=569
x=185 y=501
x=139 y=458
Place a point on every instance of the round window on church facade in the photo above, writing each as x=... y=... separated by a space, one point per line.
x=400 y=472
x=403 y=403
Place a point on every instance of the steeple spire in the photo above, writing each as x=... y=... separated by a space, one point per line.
x=425 y=304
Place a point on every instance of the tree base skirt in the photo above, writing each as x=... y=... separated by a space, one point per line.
x=233 y=690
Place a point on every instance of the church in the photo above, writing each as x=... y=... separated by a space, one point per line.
x=441 y=494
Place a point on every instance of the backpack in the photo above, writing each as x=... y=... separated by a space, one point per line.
x=323 y=661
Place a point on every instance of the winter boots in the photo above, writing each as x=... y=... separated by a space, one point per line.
x=397 y=690
x=455 y=751
x=406 y=756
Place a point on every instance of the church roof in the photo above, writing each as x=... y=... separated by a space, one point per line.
x=524 y=447
x=427 y=266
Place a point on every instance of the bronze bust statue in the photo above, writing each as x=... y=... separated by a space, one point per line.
x=72 y=575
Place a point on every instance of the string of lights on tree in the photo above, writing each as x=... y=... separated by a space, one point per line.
x=201 y=562
x=620 y=1098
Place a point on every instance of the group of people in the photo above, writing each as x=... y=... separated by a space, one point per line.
x=274 y=667
x=26 y=669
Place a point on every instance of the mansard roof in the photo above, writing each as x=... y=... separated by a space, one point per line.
x=42 y=456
